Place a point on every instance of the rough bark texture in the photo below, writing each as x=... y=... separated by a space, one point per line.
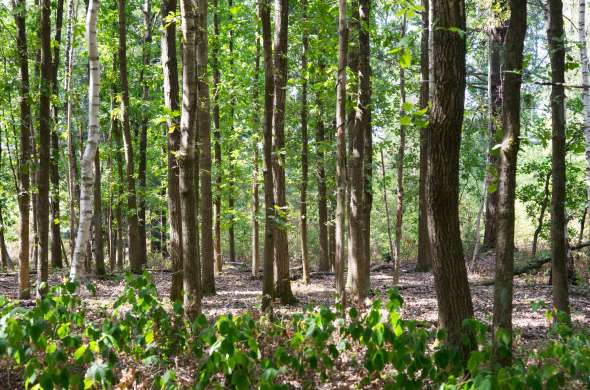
x=217 y=146
x=87 y=161
x=171 y=92
x=186 y=160
x=340 y=253
x=268 y=250
x=511 y=82
x=204 y=129
x=304 y=147
x=20 y=11
x=324 y=260
x=424 y=261
x=97 y=244
x=555 y=36
x=283 y=281
x=442 y=177
x=54 y=221
x=136 y=254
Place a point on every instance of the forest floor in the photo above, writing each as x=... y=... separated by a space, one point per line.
x=238 y=292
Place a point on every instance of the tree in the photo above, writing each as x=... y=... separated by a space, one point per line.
x=186 y=162
x=217 y=137
x=320 y=138
x=255 y=159
x=511 y=81
x=87 y=162
x=442 y=179
x=341 y=152
x=136 y=247
x=586 y=91
x=283 y=281
x=304 y=145
x=97 y=222
x=555 y=36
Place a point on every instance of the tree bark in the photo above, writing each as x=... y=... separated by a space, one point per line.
x=555 y=36
x=20 y=12
x=217 y=136
x=269 y=212
x=136 y=253
x=424 y=261
x=511 y=82
x=98 y=233
x=171 y=93
x=340 y=254
x=44 y=146
x=324 y=261
x=186 y=162
x=304 y=145
x=283 y=281
x=231 y=200
x=442 y=177
x=386 y=204
x=87 y=162
x=585 y=92
x=204 y=129
x=255 y=160
x=56 y=258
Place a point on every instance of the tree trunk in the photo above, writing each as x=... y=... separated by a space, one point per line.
x=56 y=259
x=283 y=281
x=4 y=256
x=44 y=146
x=555 y=34
x=142 y=169
x=87 y=162
x=424 y=261
x=585 y=92
x=324 y=261
x=20 y=12
x=255 y=162
x=386 y=204
x=186 y=162
x=582 y=224
x=98 y=234
x=171 y=93
x=204 y=128
x=541 y=214
x=217 y=146
x=231 y=201
x=269 y=211
x=442 y=177
x=136 y=253
x=511 y=81
x=304 y=146
x=340 y=254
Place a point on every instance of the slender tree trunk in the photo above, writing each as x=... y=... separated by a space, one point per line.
x=256 y=158
x=142 y=169
x=386 y=204
x=304 y=146
x=424 y=261
x=231 y=200
x=87 y=162
x=186 y=162
x=541 y=214
x=56 y=259
x=44 y=146
x=204 y=128
x=98 y=233
x=511 y=82
x=586 y=91
x=4 y=256
x=268 y=249
x=136 y=252
x=340 y=253
x=555 y=36
x=324 y=262
x=20 y=12
x=283 y=281
x=217 y=137
x=582 y=225
x=442 y=176
x=171 y=100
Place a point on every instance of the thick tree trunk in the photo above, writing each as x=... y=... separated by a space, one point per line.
x=442 y=177
x=283 y=281
x=269 y=212
x=136 y=252
x=555 y=34
x=586 y=91
x=87 y=162
x=217 y=146
x=324 y=261
x=44 y=146
x=424 y=261
x=340 y=253
x=56 y=255
x=400 y=170
x=204 y=129
x=255 y=161
x=171 y=93
x=20 y=12
x=186 y=162
x=98 y=233
x=304 y=146
x=511 y=82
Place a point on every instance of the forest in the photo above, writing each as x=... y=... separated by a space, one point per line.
x=303 y=194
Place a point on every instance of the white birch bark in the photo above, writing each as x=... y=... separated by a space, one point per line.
x=87 y=163
x=585 y=90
